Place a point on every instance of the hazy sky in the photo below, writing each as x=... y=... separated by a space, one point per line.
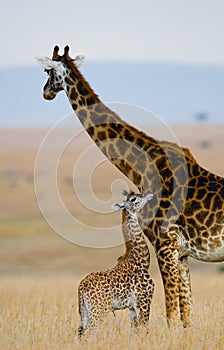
x=143 y=30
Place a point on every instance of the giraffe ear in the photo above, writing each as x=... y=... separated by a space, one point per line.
x=118 y=206
x=125 y=193
x=47 y=63
x=148 y=196
x=79 y=60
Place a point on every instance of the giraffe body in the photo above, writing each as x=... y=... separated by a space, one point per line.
x=128 y=284
x=186 y=215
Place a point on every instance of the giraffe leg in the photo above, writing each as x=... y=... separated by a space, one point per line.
x=92 y=312
x=167 y=256
x=185 y=292
x=95 y=317
x=143 y=315
x=141 y=312
x=134 y=317
x=84 y=314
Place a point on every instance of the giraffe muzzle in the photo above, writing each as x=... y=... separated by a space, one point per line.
x=48 y=95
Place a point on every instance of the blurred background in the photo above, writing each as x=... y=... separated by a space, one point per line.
x=166 y=57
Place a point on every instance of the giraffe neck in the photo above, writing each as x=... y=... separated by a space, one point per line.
x=124 y=231
x=126 y=241
x=121 y=143
x=138 y=248
x=79 y=92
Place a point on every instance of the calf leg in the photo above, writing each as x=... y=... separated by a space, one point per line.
x=143 y=315
x=92 y=311
x=134 y=317
x=84 y=314
x=141 y=312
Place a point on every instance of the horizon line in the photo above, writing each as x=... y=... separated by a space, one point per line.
x=127 y=62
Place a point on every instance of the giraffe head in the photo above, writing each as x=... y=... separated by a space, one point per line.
x=57 y=70
x=134 y=202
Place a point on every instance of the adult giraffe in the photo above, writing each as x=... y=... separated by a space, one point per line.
x=185 y=217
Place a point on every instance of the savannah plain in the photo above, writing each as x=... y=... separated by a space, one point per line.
x=40 y=270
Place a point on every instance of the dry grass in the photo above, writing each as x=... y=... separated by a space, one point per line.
x=40 y=312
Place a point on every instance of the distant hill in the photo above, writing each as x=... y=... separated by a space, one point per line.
x=176 y=93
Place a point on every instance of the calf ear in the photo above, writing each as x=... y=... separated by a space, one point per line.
x=79 y=60
x=47 y=63
x=118 y=206
x=149 y=196
x=125 y=193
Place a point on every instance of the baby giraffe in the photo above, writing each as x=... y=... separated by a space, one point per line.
x=128 y=284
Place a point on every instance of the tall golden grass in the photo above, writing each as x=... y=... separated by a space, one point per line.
x=40 y=312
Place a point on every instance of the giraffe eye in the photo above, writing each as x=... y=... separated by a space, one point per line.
x=132 y=199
